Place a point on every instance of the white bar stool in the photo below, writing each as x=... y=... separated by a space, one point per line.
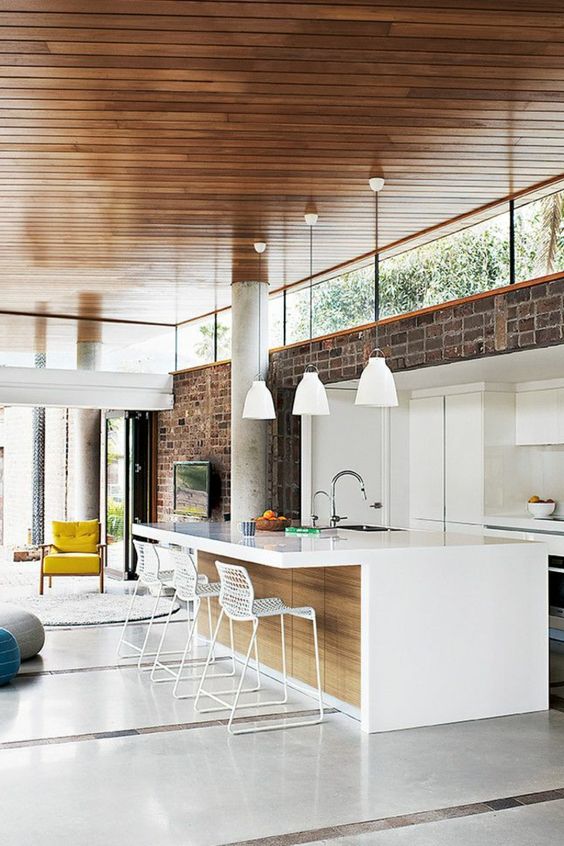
x=238 y=603
x=192 y=589
x=149 y=574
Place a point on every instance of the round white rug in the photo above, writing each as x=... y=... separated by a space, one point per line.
x=67 y=609
x=71 y=602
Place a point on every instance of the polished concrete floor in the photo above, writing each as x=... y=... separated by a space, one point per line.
x=89 y=749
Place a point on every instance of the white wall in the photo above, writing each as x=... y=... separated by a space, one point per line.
x=349 y=438
x=540 y=471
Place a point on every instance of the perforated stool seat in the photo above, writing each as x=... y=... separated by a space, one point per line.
x=273 y=606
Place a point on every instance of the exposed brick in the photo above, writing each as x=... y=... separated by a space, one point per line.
x=526 y=339
x=434 y=331
x=482 y=305
x=520 y=295
x=197 y=428
x=551 y=318
x=526 y=324
x=538 y=292
x=548 y=304
x=473 y=322
x=524 y=309
x=552 y=335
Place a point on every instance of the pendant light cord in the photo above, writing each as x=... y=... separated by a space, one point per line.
x=259 y=319
x=376 y=268
x=311 y=283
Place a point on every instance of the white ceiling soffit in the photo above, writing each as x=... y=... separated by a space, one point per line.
x=85 y=389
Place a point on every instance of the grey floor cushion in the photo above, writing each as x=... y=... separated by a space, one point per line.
x=26 y=628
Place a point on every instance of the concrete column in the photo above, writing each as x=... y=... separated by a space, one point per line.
x=248 y=437
x=38 y=490
x=86 y=441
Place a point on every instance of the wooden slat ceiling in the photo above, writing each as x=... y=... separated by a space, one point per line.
x=145 y=144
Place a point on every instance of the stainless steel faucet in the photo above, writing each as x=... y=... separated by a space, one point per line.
x=334 y=516
x=314 y=517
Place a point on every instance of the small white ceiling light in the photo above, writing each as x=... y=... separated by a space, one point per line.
x=376 y=183
x=259 y=404
x=311 y=396
x=376 y=387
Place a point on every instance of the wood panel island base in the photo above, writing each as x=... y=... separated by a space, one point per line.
x=416 y=628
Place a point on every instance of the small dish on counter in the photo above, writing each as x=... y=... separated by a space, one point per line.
x=540 y=510
x=272 y=524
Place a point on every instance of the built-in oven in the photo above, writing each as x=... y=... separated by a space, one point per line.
x=556 y=585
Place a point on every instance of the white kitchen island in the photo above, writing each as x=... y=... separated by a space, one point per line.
x=433 y=627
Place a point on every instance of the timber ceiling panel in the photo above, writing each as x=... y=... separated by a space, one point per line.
x=145 y=144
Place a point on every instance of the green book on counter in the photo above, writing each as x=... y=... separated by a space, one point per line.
x=302 y=530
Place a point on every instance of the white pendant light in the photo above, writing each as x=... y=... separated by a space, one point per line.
x=376 y=386
x=259 y=404
x=311 y=397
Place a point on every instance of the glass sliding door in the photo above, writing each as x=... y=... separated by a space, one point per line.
x=129 y=484
x=116 y=491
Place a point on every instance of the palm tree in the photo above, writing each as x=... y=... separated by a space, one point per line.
x=550 y=219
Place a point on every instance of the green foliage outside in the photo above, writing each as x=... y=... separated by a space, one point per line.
x=204 y=347
x=115 y=519
x=539 y=237
x=467 y=262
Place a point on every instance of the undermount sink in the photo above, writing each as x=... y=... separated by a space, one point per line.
x=364 y=528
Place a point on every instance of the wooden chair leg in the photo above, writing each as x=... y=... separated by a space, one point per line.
x=41 y=579
x=50 y=581
x=102 y=578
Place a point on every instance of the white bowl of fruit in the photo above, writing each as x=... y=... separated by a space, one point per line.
x=540 y=508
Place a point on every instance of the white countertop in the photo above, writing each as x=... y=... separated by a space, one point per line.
x=525 y=522
x=343 y=547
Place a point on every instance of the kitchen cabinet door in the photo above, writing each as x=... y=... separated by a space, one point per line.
x=464 y=458
x=426 y=458
x=537 y=417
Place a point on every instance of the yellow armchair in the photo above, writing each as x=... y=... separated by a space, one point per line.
x=75 y=551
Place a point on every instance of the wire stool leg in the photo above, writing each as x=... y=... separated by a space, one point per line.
x=122 y=640
x=243 y=674
x=157 y=662
x=147 y=633
x=208 y=660
x=279 y=725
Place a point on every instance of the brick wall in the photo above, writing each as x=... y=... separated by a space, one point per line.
x=198 y=427
x=522 y=317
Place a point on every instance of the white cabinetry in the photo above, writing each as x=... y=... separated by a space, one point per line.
x=426 y=459
x=456 y=440
x=464 y=458
x=539 y=417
